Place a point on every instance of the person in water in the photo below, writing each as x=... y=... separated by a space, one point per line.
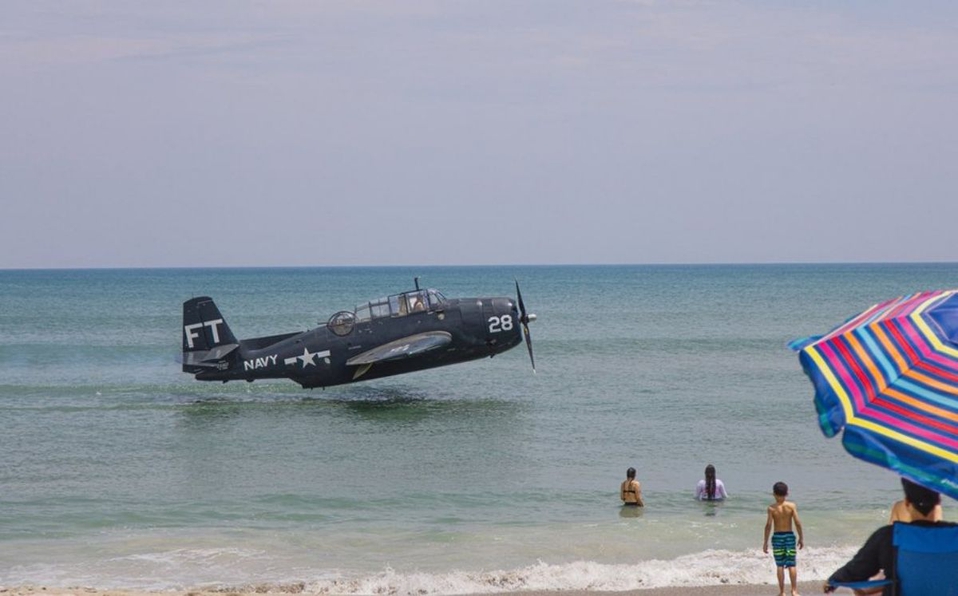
x=631 y=490
x=781 y=515
x=711 y=488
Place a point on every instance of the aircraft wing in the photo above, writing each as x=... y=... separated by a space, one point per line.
x=406 y=347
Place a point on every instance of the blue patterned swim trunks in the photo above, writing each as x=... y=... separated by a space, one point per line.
x=783 y=549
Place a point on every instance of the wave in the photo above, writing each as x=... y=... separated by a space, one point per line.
x=707 y=568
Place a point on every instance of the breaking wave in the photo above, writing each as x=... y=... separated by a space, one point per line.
x=708 y=568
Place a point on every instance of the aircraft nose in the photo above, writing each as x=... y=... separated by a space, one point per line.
x=516 y=309
x=505 y=306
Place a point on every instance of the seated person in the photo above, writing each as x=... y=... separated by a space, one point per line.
x=416 y=304
x=878 y=552
x=899 y=512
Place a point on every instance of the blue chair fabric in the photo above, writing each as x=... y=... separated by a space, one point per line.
x=926 y=563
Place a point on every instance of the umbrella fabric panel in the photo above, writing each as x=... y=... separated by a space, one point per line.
x=936 y=473
x=945 y=316
x=889 y=378
x=849 y=386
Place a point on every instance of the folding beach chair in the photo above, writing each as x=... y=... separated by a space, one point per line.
x=927 y=562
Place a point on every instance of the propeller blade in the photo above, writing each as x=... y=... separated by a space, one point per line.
x=522 y=307
x=524 y=318
x=525 y=331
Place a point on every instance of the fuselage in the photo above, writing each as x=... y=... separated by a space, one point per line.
x=320 y=357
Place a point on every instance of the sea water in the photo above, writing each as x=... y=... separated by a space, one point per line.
x=118 y=470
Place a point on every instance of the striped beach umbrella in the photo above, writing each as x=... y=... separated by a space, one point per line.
x=889 y=378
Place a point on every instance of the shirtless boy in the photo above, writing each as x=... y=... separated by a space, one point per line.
x=781 y=514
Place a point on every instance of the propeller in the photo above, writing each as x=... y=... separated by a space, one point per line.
x=525 y=318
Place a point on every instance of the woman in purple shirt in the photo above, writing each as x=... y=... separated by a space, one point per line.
x=710 y=489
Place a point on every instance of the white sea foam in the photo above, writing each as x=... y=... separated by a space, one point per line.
x=186 y=568
x=711 y=567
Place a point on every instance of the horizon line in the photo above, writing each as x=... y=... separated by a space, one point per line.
x=477 y=265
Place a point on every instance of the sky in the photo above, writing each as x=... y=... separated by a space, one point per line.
x=450 y=132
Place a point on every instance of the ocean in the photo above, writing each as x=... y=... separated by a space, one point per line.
x=117 y=470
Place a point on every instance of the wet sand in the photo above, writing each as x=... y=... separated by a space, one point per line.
x=807 y=588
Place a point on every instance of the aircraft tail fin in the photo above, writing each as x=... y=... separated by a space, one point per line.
x=207 y=339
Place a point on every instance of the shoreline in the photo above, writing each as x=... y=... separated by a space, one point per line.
x=805 y=587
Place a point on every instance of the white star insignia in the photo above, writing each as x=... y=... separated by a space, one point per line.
x=307 y=358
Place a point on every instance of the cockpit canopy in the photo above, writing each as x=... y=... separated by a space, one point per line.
x=400 y=305
x=397 y=305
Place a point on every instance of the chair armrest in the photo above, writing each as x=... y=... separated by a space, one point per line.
x=878 y=583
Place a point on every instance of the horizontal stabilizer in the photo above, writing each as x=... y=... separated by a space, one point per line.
x=406 y=347
x=207 y=357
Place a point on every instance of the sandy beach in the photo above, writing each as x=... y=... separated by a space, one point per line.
x=808 y=587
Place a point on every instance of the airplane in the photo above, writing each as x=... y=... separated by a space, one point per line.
x=405 y=332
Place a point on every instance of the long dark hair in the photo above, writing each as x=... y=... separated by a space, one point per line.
x=710 y=482
x=921 y=498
